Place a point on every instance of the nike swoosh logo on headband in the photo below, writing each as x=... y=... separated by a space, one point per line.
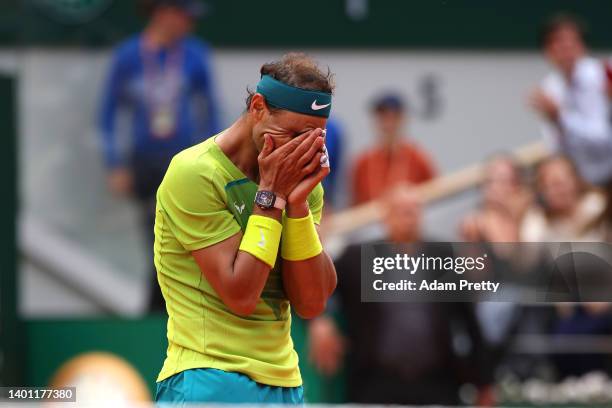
x=316 y=107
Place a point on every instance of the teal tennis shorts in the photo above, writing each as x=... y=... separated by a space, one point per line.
x=202 y=385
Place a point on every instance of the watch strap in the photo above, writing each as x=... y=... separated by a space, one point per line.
x=279 y=203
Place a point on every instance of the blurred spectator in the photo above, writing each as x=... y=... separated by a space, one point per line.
x=583 y=319
x=394 y=159
x=600 y=228
x=575 y=100
x=397 y=353
x=163 y=78
x=566 y=204
x=566 y=207
x=504 y=202
x=334 y=142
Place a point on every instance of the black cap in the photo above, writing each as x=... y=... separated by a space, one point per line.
x=388 y=101
x=193 y=8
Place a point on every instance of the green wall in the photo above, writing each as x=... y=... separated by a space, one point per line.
x=499 y=24
x=50 y=343
x=142 y=342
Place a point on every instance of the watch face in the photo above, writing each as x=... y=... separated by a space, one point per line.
x=264 y=199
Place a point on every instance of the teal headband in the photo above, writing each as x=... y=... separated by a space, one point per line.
x=291 y=98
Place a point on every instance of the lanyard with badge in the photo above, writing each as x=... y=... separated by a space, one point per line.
x=162 y=83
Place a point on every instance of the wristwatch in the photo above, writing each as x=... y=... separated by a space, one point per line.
x=267 y=199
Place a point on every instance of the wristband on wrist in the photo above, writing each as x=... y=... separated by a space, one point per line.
x=261 y=238
x=300 y=239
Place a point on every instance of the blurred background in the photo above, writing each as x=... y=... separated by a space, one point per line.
x=476 y=120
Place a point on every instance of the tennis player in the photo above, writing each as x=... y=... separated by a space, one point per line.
x=236 y=244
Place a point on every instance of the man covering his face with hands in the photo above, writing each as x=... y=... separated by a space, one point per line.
x=236 y=244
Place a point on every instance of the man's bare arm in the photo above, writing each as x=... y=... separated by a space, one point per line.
x=309 y=283
x=237 y=276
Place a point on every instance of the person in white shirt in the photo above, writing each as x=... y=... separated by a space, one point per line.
x=574 y=100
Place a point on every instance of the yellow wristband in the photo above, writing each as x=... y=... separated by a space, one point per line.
x=300 y=239
x=261 y=238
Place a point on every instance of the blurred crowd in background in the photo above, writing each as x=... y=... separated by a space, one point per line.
x=402 y=353
x=411 y=353
x=399 y=353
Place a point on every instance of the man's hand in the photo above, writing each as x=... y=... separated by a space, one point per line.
x=120 y=181
x=308 y=282
x=281 y=170
x=316 y=171
x=326 y=346
x=544 y=105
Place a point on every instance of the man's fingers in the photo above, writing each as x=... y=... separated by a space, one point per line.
x=267 y=148
x=291 y=145
x=307 y=156
x=316 y=176
x=314 y=163
x=306 y=144
x=322 y=173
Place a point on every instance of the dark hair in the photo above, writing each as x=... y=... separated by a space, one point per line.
x=146 y=7
x=539 y=168
x=519 y=170
x=388 y=101
x=299 y=70
x=603 y=219
x=583 y=187
x=559 y=21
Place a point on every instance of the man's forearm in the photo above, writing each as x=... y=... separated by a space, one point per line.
x=249 y=273
x=246 y=282
x=309 y=283
x=241 y=272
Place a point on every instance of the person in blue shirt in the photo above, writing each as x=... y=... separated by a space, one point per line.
x=162 y=79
